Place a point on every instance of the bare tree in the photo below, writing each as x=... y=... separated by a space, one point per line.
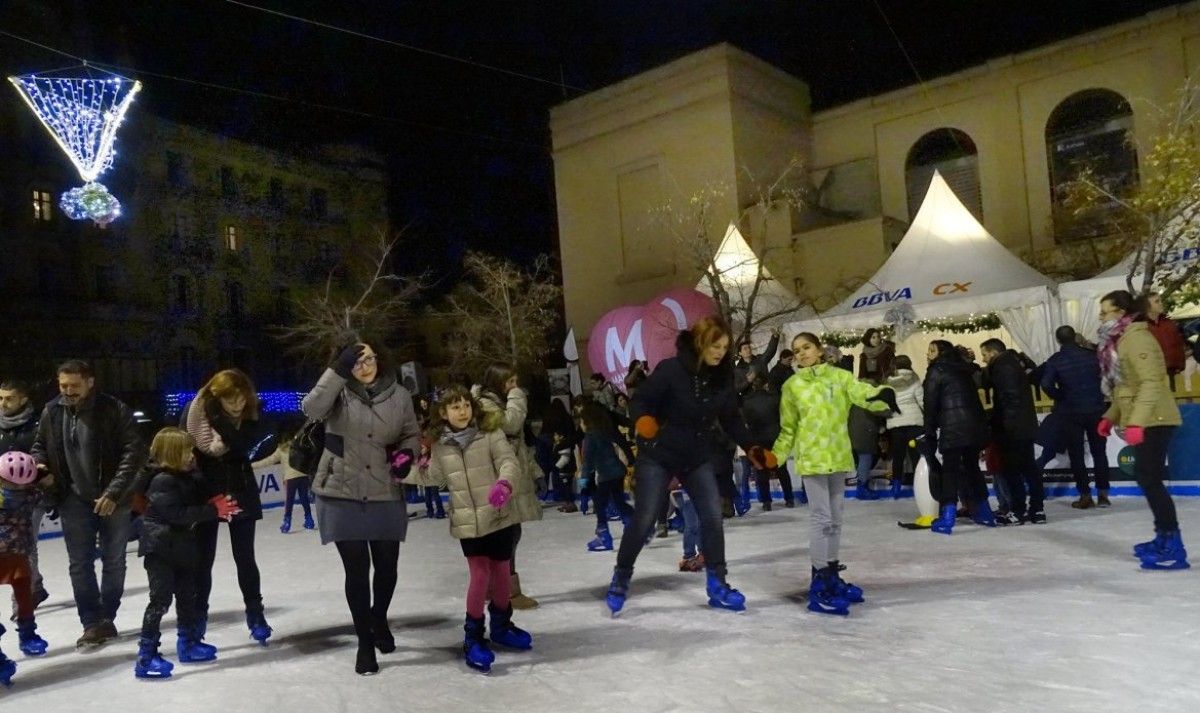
x=742 y=288
x=1160 y=216
x=501 y=312
x=361 y=295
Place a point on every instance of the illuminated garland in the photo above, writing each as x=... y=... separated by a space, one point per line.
x=82 y=115
x=953 y=325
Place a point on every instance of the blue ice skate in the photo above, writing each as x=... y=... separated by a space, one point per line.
x=310 y=524
x=8 y=668
x=286 y=526
x=982 y=514
x=505 y=633
x=475 y=650
x=30 y=643
x=823 y=597
x=852 y=593
x=721 y=595
x=618 y=589
x=190 y=649
x=257 y=622
x=944 y=524
x=603 y=541
x=1167 y=552
x=149 y=663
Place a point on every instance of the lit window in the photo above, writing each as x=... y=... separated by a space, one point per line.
x=233 y=242
x=41 y=205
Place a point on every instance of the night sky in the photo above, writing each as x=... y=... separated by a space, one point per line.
x=468 y=147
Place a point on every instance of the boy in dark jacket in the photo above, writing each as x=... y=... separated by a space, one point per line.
x=760 y=409
x=178 y=500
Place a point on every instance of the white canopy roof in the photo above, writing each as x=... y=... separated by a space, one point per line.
x=737 y=266
x=947 y=265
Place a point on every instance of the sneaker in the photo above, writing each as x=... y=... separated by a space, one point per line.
x=1084 y=502
x=97 y=634
x=1037 y=518
x=694 y=563
x=1004 y=519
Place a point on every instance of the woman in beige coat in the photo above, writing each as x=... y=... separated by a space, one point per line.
x=1133 y=376
x=489 y=497
x=502 y=399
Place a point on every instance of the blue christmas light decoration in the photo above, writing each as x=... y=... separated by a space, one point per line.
x=269 y=401
x=82 y=114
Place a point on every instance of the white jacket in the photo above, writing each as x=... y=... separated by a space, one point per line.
x=907 y=386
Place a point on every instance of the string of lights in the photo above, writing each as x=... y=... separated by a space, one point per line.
x=269 y=401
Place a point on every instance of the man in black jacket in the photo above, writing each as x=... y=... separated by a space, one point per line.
x=89 y=441
x=1014 y=427
x=747 y=362
x=782 y=371
x=18 y=428
x=1071 y=377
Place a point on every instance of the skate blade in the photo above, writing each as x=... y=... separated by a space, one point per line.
x=717 y=605
x=821 y=610
x=1177 y=564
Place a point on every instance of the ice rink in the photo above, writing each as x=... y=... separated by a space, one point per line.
x=1055 y=617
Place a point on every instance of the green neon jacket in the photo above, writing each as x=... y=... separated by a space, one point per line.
x=813 y=413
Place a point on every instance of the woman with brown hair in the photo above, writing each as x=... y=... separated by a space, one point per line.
x=678 y=413
x=223 y=420
x=501 y=396
x=371 y=440
x=1133 y=374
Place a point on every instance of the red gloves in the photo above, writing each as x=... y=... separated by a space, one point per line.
x=226 y=506
x=762 y=459
x=1134 y=435
x=500 y=494
x=646 y=427
x=1104 y=428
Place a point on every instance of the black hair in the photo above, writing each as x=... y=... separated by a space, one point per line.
x=1065 y=335
x=944 y=347
x=902 y=362
x=1124 y=301
x=866 y=337
x=77 y=367
x=21 y=387
x=994 y=345
x=786 y=354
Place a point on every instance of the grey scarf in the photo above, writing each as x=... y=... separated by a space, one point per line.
x=463 y=438
x=18 y=419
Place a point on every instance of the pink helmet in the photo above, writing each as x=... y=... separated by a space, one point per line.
x=18 y=468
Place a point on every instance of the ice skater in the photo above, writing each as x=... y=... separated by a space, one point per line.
x=295 y=485
x=20 y=496
x=604 y=467
x=813 y=417
x=1134 y=376
x=689 y=395
x=178 y=501
x=490 y=495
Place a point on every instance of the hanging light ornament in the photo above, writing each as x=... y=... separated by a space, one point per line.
x=83 y=114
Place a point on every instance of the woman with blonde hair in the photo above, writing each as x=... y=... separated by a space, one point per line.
x=223 y=421
x=679 y=413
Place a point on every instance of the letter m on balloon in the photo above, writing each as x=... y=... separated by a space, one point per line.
x=617 y=354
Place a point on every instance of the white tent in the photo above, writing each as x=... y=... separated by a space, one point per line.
x=737 y=266
x=946 y=266
x=1080 y=298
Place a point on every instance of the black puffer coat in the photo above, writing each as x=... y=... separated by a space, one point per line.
x=689 y=400
x=1014 y=416
x=230 y=473
x=761 y=411
x=952 y=405
x=177 y=502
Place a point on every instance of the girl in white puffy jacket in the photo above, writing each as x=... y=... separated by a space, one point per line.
x=907 y=425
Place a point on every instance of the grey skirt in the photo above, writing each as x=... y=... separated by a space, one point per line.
x=342 y=520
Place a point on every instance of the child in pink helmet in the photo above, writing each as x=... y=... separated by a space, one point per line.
x=19 y=495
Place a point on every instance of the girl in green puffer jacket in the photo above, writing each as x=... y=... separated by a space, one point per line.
x=813 y=412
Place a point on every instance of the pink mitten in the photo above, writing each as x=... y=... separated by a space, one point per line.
x=1134 y=435
x=500 y=493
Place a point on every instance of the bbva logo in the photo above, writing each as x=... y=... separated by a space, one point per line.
x=904 y=293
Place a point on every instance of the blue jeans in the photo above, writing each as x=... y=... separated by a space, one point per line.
x=691 y=524
x=96 y=602
x=650 y=496
x=863 y=464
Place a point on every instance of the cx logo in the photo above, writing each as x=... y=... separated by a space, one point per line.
x=947 y=288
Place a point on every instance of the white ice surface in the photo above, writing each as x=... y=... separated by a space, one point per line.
x=1038 y=618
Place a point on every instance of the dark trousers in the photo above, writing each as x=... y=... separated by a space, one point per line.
x=762 y=481
x=609 y=491
x=95 y=601
x=296 y=488
x=357 y=558
x=960 y=471
x=651 y=494
x=433 y=501
x=1022 y=476
x=1150 y=468
x=241 y=539
x=169 y=578
x=1075 y=428
x=901 y=452
x=512 y=563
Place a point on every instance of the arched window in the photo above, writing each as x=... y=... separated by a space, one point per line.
x=952 y=153
x=1091 y=129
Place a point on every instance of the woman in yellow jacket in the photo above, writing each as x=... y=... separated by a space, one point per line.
x=1133 y=375
x=813 y=412
x=489 y=497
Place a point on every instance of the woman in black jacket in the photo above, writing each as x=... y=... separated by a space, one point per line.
x=956 y=424
x=676 y=413
x=223 y=420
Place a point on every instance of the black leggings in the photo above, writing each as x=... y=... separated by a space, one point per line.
x=607 y=492
x=241 y=539
x=1150 y=468
x=960 y=471
x=512 y=563
x=169 y=579
x=762 y=480
x=357 y=558
x=901 y=436
x=296 y=489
